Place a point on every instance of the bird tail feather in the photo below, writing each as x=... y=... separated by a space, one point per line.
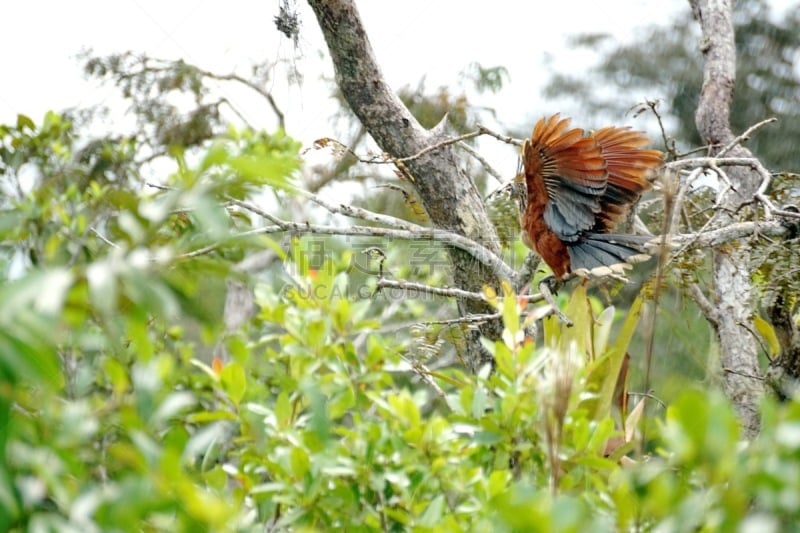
x=607 y=254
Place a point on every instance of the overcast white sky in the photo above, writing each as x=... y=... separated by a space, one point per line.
x=413 y=38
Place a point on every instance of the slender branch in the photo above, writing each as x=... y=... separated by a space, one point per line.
x=732 y=232
x=707 y=148
x=449 y=292
x=360 y=213
x=251 y=85
x=467 y=319
x=238 y=113
x=785 y=213
x=159 y=187
x=714 y=163
x=548 y=296
x=650 y=396
x=504 y=138
x=706 y=162
x=743 y=374
x=437 y=146
x=409 y=198
x=689 y=243
x=386 y=159
x=707 y=308
x=526 y=273
x=103 y=238
x=424 y=373
x=257 y=210
x=679 y=197
x=419 y=288
x=669 y=143
x=489 y=169
x=414 y=233
x=744 y=136
x=408 y=231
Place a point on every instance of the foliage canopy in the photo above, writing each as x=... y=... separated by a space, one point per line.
x=116 y=418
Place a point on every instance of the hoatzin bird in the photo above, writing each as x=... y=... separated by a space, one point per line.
x=578 y=186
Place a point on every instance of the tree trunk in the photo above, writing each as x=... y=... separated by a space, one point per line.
x=733 y=299
x=449 y=196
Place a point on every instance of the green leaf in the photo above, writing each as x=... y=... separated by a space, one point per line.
x=299 y=461
x=580 y=312
x=216 y=155
x=767 y=332
x=273 y=171
x=510 y=311
x=604 y=371
x=28 y=351
x=234 y=381
x=171 y=406
x=341 y=404
x=479 y=403
x=602 y=331
x=487 y=438
x=433 y=513
x=283 y=409
x=117 y=375
x=102 y=286
x=24 y=121
x=405 y=409
x=498 y=482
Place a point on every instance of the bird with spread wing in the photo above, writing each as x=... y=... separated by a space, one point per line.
x=578 y=187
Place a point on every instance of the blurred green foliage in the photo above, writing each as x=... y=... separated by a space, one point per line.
x=115 y=417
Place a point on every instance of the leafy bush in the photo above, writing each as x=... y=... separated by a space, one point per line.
x=119 y=415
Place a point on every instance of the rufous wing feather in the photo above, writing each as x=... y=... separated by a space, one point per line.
x=629 y=167
x=569 y=166
x=578 y=187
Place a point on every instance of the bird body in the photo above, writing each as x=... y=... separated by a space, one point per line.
x=578 y=187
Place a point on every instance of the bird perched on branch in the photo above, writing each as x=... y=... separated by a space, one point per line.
x=578 y=186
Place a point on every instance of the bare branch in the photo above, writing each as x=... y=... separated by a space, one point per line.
x=679 y=197
x=468 y=319
x=726 y=234
x=414 y=232
x=360 y=213
x=526 y=273
x=424 y=373
x=744 y=136
x=669 y=143
x=257 y=210
x=385 y=159
x=504 y=138
x=489 y=169
x=707 y=162
x=437 y=146
x=714 y=163
x=250 y=85
x=708 y=310
x=103 y=238
x=419 y=288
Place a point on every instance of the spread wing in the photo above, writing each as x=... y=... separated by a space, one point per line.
x=628 y=168
x=573 y=172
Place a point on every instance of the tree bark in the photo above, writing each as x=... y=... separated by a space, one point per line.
x=449 y=196
x=733 y=301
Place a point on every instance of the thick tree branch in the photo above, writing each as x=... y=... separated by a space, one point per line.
x=450 y=198
x=733 y=306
